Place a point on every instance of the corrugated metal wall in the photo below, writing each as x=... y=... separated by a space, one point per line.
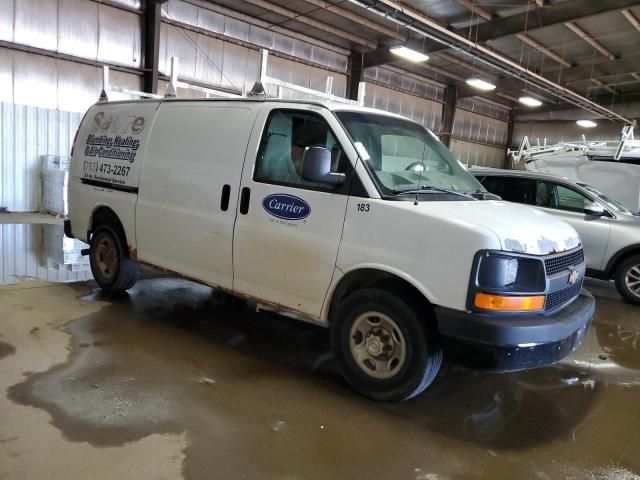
x=471 y=153
x=26 y=134
x=216 y=47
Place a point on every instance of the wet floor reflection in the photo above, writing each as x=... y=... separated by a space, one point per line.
x=260 y=397
x=40 y=251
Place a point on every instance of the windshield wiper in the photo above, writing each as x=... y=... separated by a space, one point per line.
x=429 y=188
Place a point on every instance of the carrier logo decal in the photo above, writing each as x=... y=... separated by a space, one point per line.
x=286 y=207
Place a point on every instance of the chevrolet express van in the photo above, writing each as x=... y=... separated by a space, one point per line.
x=353 y=218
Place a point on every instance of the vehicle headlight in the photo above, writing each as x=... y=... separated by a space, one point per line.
x=497 y=271
x=511 y=272
x=507 y=282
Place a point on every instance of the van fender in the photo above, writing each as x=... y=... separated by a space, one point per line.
x=339 y=274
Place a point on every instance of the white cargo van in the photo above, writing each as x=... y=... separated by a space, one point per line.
x=350 y=217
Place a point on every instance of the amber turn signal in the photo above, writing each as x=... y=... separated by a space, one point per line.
x=487 y=301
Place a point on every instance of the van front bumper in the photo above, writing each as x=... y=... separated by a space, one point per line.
x=505 y=343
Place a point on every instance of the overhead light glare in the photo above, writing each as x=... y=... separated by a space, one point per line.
x=480 y=84
x=529 y=101
x=587 y=123
x=409 y=54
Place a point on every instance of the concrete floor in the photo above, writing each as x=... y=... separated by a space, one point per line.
x=161 y=384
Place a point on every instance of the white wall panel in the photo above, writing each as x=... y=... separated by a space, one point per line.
x=212 y=21
x=471 y=153
x=36 y=23
x=6 y=75
x=479 y=128
x=119 y=37
x=77 y=86
x=209 y=60
x=129 y=3
x=6 y=20
x=78 y=28
x=182 y=44
x=240 y=67
x=421 y=110
x=258 y=35
x=35 y=80
x=27 y=133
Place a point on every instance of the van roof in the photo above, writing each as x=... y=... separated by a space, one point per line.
x=333 y=106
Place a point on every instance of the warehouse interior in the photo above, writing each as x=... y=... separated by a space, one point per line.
x=174 y=379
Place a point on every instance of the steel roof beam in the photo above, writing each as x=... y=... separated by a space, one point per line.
x=475 y=8
x=561 y=12
x=583 y=34
x=292 y=15
x=365 y=22
x=633 y=20
x=533 y=43
x=419 y=23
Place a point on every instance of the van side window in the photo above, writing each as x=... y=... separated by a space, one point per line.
x=287 y=134
x=518 y=190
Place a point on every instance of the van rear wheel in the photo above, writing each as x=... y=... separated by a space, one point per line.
x=385 y=348
x=111 y=267
x=627 y=279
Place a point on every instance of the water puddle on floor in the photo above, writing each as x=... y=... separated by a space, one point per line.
x=259 y=396
x=40 y=251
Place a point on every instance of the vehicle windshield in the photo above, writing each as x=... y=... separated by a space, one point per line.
x=403 y=156
x=616 y=205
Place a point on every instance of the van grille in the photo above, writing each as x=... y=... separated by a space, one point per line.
x=559 y=298
x=563 y=262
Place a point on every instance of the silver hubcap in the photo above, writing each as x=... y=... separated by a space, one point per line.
x=107 y=257
x=632 y=279
x=377 y=345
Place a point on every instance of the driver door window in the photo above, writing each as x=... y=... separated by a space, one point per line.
x=287 y=134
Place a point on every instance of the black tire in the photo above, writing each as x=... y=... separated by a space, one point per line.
x=110 y=263
x=626 y=274
x=422 y=352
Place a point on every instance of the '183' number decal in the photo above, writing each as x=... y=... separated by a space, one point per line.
x=363 y=207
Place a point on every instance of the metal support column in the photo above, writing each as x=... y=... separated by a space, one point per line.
x=512 y=119
x=355 y=74
x=448 y=113
x=151 y=43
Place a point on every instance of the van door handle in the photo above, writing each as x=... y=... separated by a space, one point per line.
x=224 y=200
x=245 y=196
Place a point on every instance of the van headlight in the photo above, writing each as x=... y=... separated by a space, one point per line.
x=506 y=282
x=497 y=271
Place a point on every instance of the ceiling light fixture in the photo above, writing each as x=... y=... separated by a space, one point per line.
x=587 y=123
x=480 y=84
x=409 y=54
x=529 y=101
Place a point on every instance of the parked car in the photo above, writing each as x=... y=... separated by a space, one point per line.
x=349 y=217
x=610 y=232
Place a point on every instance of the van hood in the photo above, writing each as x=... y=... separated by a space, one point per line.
x=519 y=228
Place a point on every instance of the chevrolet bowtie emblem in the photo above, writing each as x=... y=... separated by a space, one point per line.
x=573 y=277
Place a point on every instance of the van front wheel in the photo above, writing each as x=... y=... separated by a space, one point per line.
x=111 y=267
x=384 y=347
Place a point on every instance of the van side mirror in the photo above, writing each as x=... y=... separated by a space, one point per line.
x=595 y=209
x=316 y=167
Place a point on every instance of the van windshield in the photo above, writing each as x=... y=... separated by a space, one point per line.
x=403 y=156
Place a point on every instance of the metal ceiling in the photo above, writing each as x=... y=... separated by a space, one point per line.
x=556 y=49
